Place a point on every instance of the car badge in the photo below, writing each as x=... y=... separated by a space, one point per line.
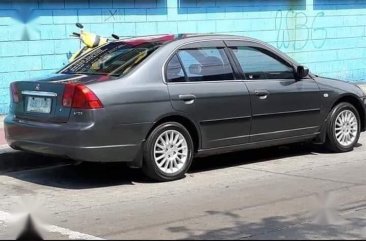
x=38 y=87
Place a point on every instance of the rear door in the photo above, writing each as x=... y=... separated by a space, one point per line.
x=282 y=106
x=202 y=85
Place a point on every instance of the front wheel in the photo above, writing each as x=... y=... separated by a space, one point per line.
x=344 y=128
x=168 y=152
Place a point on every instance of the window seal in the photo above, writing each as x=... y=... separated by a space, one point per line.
x=237 y=70
x=181 y=65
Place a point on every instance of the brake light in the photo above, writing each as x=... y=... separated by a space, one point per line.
x=14 y=93
x=78 y=96
x=68 y=95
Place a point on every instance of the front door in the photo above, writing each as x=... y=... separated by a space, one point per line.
x=282 y=107
x=202 y=85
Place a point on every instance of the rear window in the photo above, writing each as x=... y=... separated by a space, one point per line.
x=116 y=59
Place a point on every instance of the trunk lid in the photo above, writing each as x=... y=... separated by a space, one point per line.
x=41 y=100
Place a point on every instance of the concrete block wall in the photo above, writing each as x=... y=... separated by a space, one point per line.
x=329 y=36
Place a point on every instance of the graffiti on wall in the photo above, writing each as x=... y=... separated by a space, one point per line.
x=297 y=30
x=112 y=15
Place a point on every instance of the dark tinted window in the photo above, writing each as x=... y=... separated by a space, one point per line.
x=175 y=72
x=258 y=64
x=116 y=58
x=206 y=64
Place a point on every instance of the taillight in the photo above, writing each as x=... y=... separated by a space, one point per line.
x=68 y=95
x=14 y=93
x=78 y=96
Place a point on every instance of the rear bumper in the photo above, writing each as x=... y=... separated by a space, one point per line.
x=83 y=142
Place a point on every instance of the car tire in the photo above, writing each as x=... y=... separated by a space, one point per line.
x=344 y=127
x=168 y=152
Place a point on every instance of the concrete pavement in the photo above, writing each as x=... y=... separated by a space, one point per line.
x=292 y=192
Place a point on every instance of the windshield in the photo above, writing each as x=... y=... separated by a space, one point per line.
x=116 y=59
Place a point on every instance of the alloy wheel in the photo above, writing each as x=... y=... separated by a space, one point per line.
x=170 y=151
x=346 y=127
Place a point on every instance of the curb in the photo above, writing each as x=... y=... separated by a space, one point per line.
x=2 y=133
x=2 y=138
x=2 y=117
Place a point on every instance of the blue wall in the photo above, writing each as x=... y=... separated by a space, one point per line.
x=329 y=36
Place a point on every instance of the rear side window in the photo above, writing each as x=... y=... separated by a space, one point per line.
x=203 y=64
x=175 y=71
x=257 y=64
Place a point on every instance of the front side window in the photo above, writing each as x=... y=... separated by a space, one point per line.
x=203 y=64
x=257 y=64
x=116 y=59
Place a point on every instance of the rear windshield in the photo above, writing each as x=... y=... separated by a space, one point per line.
x=116 y=59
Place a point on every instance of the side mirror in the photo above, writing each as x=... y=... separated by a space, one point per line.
x=301 y=72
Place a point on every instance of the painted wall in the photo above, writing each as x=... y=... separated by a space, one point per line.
x=329 y=36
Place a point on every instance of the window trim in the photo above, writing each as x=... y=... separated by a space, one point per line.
x=236 y=65
x=181 y=65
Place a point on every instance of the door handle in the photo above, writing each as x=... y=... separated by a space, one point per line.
x=188 y=99
x=262 y=94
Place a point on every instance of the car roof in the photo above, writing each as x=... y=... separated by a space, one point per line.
x=180 y=39
x=165 y=38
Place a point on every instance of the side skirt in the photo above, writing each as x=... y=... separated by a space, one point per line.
x=254 y=145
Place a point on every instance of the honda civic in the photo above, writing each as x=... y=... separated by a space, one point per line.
x=157 y=102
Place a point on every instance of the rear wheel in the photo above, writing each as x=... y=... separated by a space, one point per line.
x=168 y=152
x=344 y=128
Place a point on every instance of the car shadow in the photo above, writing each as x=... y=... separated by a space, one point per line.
x=14 y=161
x=82 y=176
x=257 y=155
x=62 y=173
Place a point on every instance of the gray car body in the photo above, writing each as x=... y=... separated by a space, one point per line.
x=223 y=116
